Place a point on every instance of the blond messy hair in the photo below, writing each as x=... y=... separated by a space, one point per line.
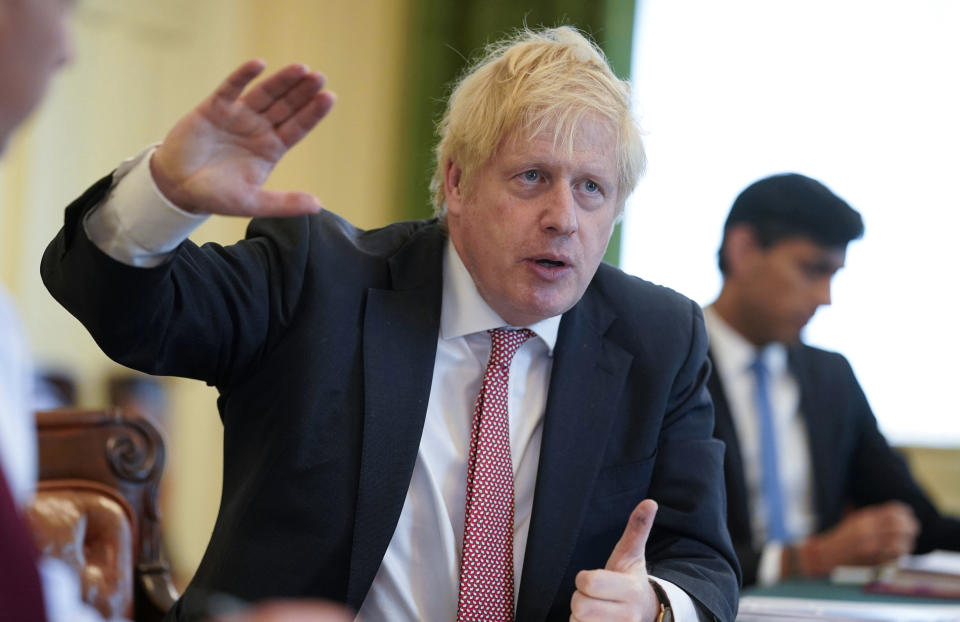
x=531 y=81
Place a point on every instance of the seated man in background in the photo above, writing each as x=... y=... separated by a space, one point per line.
x=811 y=482
x=376 y=451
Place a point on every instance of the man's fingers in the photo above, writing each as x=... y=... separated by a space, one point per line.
x=272 y=88
x=306 y=118
x=293 y=100
x=231 y=88
x=606 y=584
x=587 y=609
x=901 y=518
x=631 y=548
x=274 y=203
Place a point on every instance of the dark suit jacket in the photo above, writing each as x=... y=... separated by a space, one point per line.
x=321 y=339
x=853 y=466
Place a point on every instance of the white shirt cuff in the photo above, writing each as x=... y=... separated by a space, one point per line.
x=771 y=559
x=62 y=594
x=681 y=605
x=135 y=224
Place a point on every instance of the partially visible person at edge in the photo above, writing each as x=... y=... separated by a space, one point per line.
x=34 y=45
x=811 y=482
x=360 y=464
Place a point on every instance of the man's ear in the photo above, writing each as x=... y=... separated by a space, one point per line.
x=742 y=248
x=452 y=191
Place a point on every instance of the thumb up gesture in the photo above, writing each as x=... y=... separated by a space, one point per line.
x=622 y=590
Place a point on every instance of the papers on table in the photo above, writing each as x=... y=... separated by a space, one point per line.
x=934 y=575
x=940 y=562
x=769 y=608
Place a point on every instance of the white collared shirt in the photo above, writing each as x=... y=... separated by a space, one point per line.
x=733 y=355
x=419 y=576
x=18 y=459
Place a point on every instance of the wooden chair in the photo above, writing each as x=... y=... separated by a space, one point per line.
x=96 y=508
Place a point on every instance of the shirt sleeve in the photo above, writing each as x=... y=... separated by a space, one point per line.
x=680 y=603
x=768 y=570
x=18 y=443
x=62 y=594
x=137 y=225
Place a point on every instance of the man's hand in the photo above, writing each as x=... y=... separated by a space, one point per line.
x=622 y=590
x=216 y=159
x=868 y=536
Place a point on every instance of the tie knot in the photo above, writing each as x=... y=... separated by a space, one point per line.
x=504 y=343
x=758 y=367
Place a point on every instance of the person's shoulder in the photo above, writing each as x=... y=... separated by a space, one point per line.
x=825 y=365
x=646 y=317
x=633 y=296
x=330 y=231
x=818 y=356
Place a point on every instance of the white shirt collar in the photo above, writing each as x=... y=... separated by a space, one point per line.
x=734 y=353
x=464 y=311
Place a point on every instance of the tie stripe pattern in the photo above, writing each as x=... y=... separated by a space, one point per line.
x=486 y=564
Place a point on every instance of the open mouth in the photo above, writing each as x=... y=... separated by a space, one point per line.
x=550 y=263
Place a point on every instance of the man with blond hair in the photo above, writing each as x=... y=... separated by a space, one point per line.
x=466 y=417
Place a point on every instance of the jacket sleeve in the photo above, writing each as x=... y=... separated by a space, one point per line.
x=691 y=529
x=209 y=312
x=879 y=474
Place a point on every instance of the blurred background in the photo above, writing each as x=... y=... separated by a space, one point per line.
x=857 y=94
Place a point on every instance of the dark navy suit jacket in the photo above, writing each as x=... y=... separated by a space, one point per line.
x=853 y=466
x=321 y=339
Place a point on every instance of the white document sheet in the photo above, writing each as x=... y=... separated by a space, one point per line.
x=769 y=608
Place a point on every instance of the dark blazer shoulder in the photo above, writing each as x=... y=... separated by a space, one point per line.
x=638 y=303
x=657 y=325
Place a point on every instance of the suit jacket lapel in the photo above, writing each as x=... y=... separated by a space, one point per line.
x=398 y=327
x=738 y=509
x=586 y=382
x=820 y=429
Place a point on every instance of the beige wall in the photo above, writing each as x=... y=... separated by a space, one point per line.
x=139 y=66
x=937 y=469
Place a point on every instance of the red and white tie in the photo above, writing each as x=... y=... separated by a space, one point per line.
x=486 y=565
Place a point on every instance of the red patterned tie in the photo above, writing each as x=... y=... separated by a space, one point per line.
x=20 y=595
x=486 y=566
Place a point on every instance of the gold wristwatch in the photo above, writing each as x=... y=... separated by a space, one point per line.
x=666 y=613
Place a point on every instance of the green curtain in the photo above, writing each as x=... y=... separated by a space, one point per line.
x=446 y=34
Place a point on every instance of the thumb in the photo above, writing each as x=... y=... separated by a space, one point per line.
x=629 y=553
x=274 y=203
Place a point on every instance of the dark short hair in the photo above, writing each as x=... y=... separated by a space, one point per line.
x=791 y=205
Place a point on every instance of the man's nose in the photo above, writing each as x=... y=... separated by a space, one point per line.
x=560 y=211
x=822 y=292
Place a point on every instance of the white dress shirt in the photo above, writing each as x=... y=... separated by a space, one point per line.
x=18 y=436
x=18 y=457
x=419 y=576
x=733 y=355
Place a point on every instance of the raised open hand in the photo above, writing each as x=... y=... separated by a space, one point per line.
x=622 y=590
x=216 y=158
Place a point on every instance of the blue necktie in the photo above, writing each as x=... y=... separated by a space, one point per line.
x=770 y=476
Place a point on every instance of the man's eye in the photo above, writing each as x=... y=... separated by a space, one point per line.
x=531 y=175
x=591 y=186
